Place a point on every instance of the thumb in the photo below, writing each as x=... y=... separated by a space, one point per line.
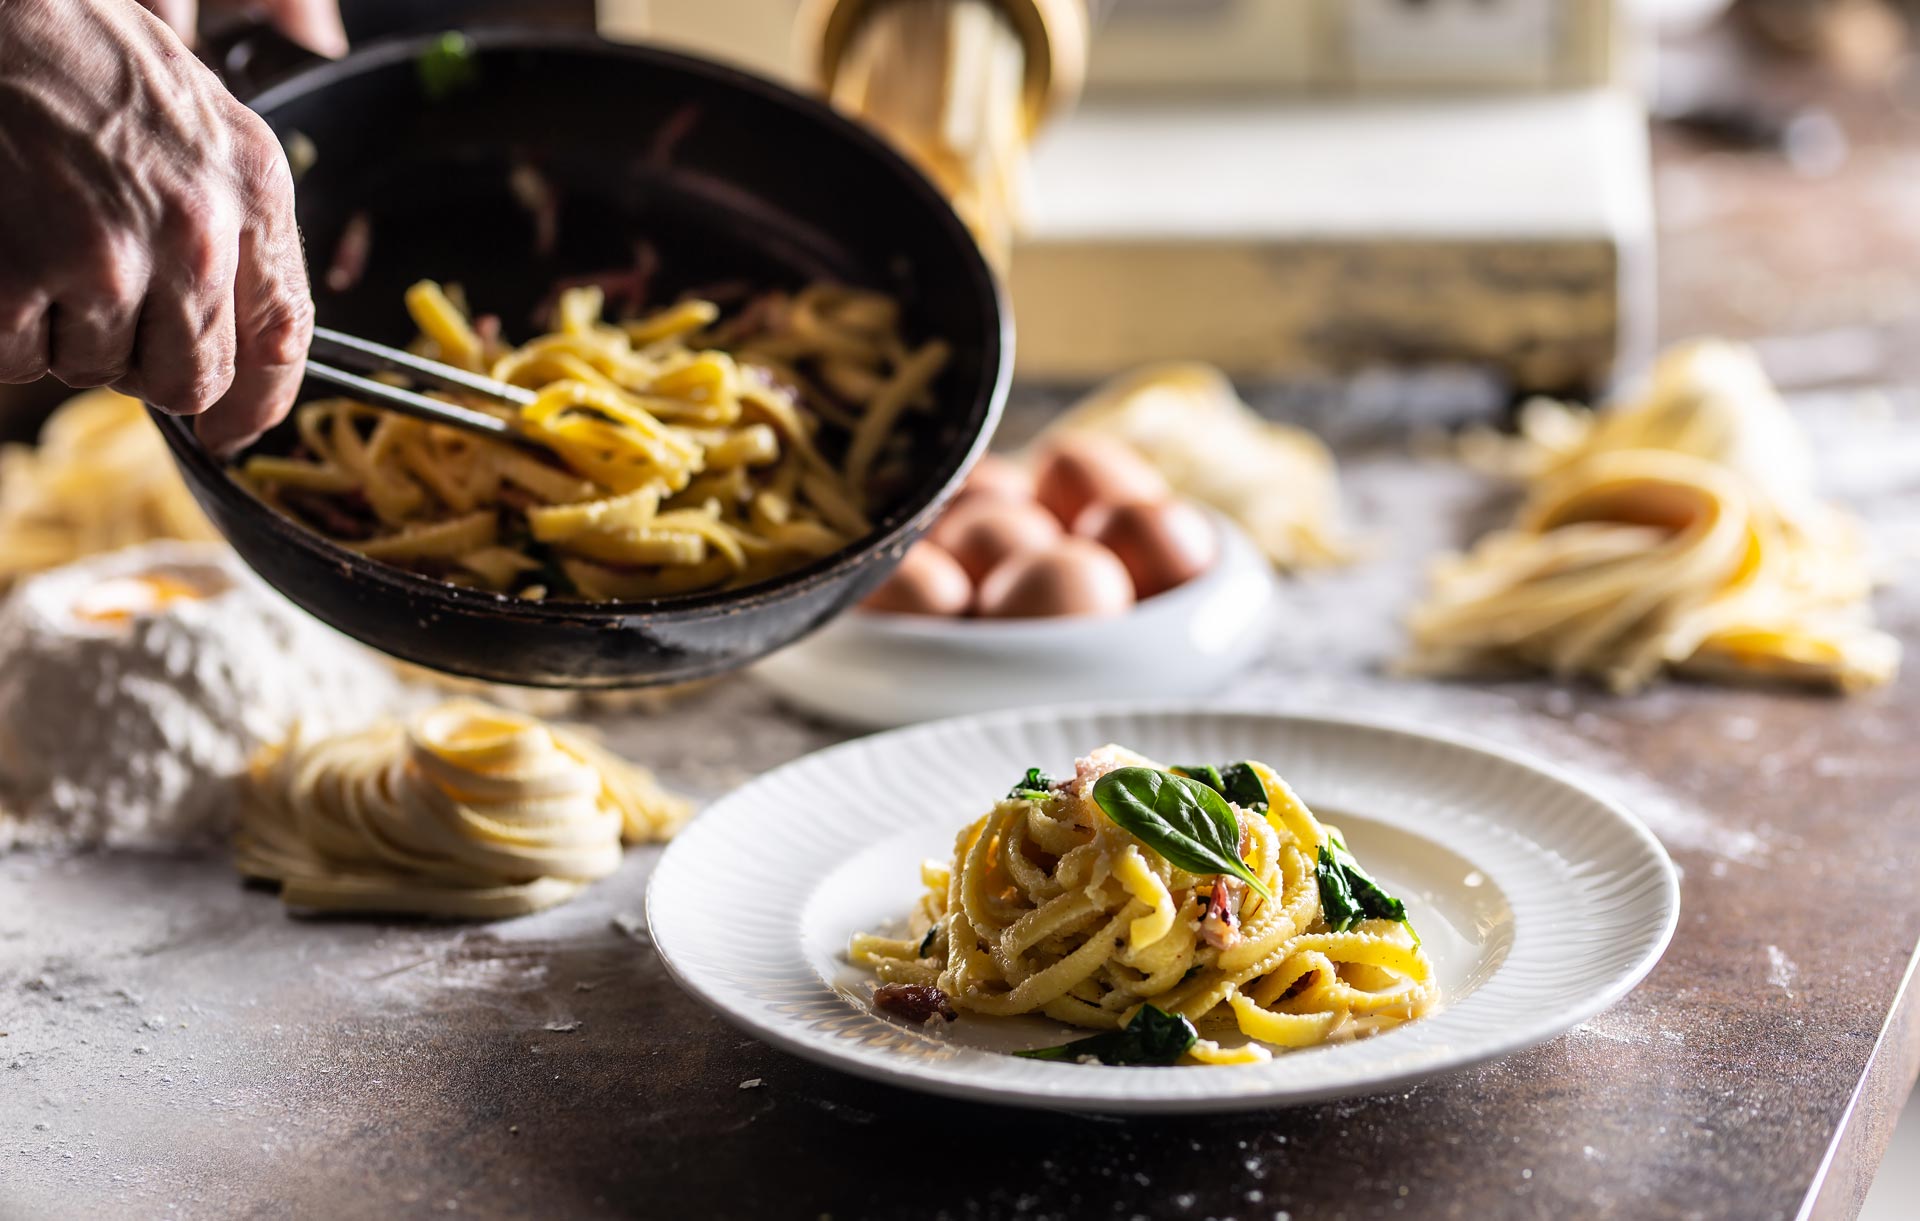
x=314 y=24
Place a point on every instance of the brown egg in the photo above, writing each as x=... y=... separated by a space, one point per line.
x=1075 y=576
x=982 y=531
x=997 y=478
x=1078 y=470
x=927 y=582
x=1163 y=544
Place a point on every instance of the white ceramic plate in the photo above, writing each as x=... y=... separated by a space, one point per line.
x=876 y=671
x=1539 y=902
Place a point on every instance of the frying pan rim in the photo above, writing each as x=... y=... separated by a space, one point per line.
x=214 y=478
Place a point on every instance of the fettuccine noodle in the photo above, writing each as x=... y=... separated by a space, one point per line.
x=1049 y=907
x=467 y=811
x=1278 y=482
x=693 y=453
x=100 y=479
x=1679 y=532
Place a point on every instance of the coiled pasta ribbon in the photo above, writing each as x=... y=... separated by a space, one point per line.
x=467 y=811
x=1278 y=482
x=1678 y=533
x=98 y=480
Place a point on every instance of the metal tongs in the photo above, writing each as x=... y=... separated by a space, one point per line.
x=377 y=357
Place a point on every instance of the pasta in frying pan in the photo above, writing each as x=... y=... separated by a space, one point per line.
x=693 y=452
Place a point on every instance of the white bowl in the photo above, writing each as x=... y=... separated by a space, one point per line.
x=877 y=670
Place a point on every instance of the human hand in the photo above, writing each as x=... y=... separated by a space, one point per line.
x=314 y=24
x=149 y=242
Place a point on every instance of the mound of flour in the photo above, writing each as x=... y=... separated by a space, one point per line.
x=135 y=731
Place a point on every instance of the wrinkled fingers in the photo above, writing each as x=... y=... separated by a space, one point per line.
x=183 y=359
x=96 y=313
x=23 y=336
x=273 y=306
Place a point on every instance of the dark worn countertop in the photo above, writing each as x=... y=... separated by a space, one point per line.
x=174 y=1045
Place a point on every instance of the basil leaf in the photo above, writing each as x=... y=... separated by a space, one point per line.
x=1181 y=819
x=1154 y=1036
x=1234 y=781
x=447 y=66
x=1348 y=893
x=1034 y=786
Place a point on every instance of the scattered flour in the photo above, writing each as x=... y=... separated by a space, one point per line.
x=132 y=733
x=1780 y=969
x=1614 y=1027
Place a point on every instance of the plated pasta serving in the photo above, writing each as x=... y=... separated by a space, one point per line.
x=690 y=450
x=928 y=907
x=1156 y=905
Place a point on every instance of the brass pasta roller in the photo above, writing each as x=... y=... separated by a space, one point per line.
x=962 y=86
x=1053 y=36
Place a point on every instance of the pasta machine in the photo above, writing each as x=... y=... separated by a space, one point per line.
x=1296 y=188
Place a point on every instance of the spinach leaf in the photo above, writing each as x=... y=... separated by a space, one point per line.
x=1036 y=785
x=1181 y=819
x=447 y=66
x=1234 y=781
x=1154 y=1036
x=1348 y=893
x=1242 y=787
x=1205 y=773
x=1338 y=905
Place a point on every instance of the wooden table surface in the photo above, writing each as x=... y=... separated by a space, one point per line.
x=173 y=1045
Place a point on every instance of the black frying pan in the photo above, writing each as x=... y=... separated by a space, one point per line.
x=730 y=178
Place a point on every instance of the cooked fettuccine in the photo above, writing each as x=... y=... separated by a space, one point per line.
x=690 y=452
x=1062 y=902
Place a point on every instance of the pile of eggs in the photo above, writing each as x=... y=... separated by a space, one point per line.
x=1090 y=529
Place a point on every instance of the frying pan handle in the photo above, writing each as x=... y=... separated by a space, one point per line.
x=250 y=55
